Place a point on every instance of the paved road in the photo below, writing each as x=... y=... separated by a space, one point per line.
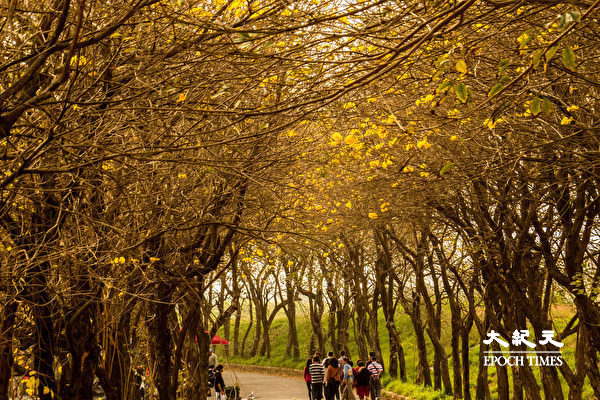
x=268 y=387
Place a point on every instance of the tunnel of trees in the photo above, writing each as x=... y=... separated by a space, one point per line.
x=172 y=168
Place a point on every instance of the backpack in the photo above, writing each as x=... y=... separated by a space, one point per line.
x=211 y=378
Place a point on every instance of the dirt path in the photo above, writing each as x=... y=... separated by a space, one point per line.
x=268 y=387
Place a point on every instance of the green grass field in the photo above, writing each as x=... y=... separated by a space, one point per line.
x=279 y=334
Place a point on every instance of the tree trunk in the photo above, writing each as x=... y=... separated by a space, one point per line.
x=592 y=373
x=442 y=360
x=331 y=326
x=549 y=375
x=265 y=348
x=423 y=374
x=343 y=324
x=456 y=364
x=374 y=327
x=258 y=331
x=315 y=306
x=293 y=344
x=203 y=345
x=437 y=368
x=517 y=384
x=502 y=377
x=236 y=332
x=160 y=342
x=6 y=350
x=242 y=352
x=80 y=332
x=465 y=357
x=115 y=374
x=482 y=390
x=532 y=389
x=44 y=348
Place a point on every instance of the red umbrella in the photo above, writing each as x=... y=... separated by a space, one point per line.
x=215 y=340
x=218 y=340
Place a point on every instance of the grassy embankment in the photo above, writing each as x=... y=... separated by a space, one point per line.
x=279 y=334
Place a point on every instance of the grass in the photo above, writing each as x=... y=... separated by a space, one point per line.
x=279 y=335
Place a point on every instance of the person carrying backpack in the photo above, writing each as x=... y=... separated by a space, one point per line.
x=376 y=369
x=348 y=392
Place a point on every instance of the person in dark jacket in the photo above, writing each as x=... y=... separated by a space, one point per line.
x=220 y=383
x=362 y=380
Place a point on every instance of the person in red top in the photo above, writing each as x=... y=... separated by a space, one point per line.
x=307 y=378
x=361 y=380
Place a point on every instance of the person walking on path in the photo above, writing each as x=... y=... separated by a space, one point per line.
x=348 y=392
x=220 y=383
x=307 y=377
x=317 y=373
x=327 y=359
x=332 y=379
x=342 y=356
x=376 y=369
x=213 y=360
x=361 y=380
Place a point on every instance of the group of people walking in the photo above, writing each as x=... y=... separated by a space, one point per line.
x=334 y=375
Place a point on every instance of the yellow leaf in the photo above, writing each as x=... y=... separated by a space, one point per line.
x=181 y=97
x=461 y=66
x=349 y=204
x=373 y=215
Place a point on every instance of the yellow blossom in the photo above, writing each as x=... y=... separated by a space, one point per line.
x=423 y=143
x=351 y=140
x=566 y=121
